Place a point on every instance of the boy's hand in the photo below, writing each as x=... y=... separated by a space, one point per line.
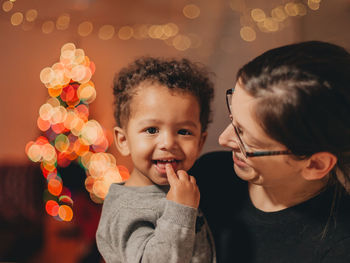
x=183 y=187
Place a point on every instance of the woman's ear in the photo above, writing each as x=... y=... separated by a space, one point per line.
x=121 y=141
x=319 y=165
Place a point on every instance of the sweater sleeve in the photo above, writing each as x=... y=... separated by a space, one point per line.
x=130 y=236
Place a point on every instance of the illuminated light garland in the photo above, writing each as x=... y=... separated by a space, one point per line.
x=70 y=135
x=165 y=32
x=266 y=23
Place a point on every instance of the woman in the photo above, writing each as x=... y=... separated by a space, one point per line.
x=290 y=142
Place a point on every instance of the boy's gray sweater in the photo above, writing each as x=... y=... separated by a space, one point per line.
x=138 y=224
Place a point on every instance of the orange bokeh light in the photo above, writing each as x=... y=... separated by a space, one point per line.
x=52 y=207
x=124 y=172
x=65 y=213
x=54 y=186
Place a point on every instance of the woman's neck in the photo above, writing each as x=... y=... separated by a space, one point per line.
x=272 y=199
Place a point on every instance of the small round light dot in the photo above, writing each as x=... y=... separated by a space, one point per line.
x=31 y=15
x=106 y=32
x=125 y=32
x=48 y=27
x=62 y=22
x=182 y=42
x=258 y=15
x=248 y=34
x=7 y=6
x=17 y=18
x=85 y=28
x=191 y=11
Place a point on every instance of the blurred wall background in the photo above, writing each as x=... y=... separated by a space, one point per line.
x=222 y=34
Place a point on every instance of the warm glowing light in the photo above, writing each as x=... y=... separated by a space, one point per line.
x=34 y=153
x=62 y=143
x=53 y=102
x=155 y=31
x=48 y=27
x=54 y=186
x=55 y=91
x=87 y=92
x=43 y=125
x=191 y=11
x=125 y=32
x=106 y=32
x=7 y=6
x=85 y=28
x=52 y=208
x=62 y=22
x=80 y=148
x=170 y=29
x=258 y=15
x=302 y=11
x=270 y=24
x=17 y=18
x=313 y=4
x=31 y=15
x=140 y=31
x=278 y=14
x=65 y=198
x=181 y=42
x=247 y=33
x=65 y=213
x=291 y=9
x=91 y=132
x=46 y=75
x=124 y=172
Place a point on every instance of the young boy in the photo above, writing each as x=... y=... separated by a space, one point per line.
x=162 y=112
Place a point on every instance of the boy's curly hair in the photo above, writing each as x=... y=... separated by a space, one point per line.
x=178 y=75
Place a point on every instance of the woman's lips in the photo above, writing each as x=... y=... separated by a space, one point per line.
x=240 y=163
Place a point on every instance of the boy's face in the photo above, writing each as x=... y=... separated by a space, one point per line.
x=163 y=127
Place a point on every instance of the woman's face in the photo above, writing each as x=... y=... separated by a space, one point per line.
x=275 y=170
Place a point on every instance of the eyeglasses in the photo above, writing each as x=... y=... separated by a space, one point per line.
x=242 y=146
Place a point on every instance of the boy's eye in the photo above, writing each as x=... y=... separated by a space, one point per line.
x=184 y=132
x=151 y=130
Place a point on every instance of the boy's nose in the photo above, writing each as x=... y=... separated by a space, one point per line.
x=167 y=141
x=228 y=138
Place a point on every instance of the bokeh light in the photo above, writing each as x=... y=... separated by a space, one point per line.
x=48 y=27
x=70 y=135
x=106 y=32
x=191 y=11
x=17 y=19
x=31 y=15
x=125 y=32
x=85 y=28
x=7 y=6
x=62 y=22
x=248 y=33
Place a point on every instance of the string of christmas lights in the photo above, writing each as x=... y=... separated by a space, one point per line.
x=69 y=135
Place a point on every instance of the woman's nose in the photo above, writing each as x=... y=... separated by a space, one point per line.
x=227 y=138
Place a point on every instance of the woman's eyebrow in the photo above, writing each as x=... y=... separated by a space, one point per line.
x=251 y=138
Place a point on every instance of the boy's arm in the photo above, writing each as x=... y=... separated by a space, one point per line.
x=130 y=235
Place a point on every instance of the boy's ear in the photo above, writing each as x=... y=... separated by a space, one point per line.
x=319 y=165
x=202 y=140
x=121 y=141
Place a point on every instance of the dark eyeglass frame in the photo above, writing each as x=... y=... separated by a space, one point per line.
x=241 y=144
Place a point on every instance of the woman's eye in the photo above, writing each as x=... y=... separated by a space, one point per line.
x=151 y=130
x=184 y=132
